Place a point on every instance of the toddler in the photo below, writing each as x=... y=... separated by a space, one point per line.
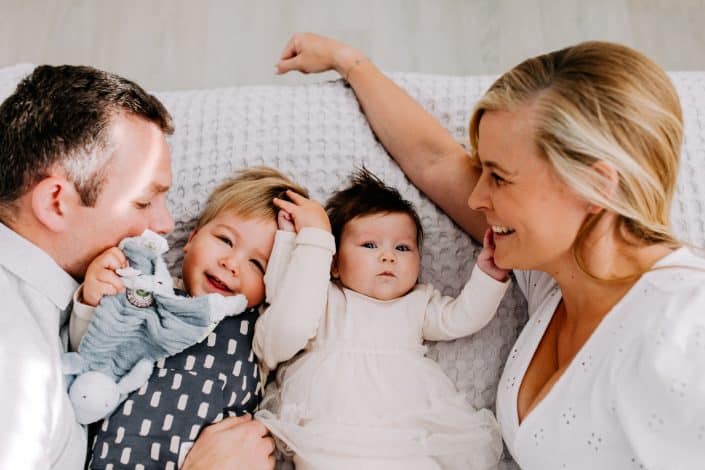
x=227 y=253
x=362 y=394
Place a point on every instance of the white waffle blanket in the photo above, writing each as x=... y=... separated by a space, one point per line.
x=317 y=135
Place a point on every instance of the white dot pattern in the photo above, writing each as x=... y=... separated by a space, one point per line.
x=157 y=424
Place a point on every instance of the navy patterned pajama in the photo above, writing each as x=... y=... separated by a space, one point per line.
x=156 y=425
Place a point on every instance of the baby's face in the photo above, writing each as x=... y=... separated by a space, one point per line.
x=229 y=256
x=378 y=255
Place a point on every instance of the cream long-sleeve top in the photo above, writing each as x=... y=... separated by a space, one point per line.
x=302 y=301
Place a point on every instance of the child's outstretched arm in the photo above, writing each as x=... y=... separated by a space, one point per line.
x=100 y=280
x=447 y=318
x=292 y=318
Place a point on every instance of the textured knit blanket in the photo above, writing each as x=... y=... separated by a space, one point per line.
x=318 y=135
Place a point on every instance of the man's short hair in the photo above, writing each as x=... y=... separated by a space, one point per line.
x=60 y=116
x=249 y=193
x=368 y=195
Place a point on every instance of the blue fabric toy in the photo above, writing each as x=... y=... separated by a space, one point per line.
x=132 y=330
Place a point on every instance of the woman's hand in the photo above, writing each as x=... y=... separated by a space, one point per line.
x=485 y=260
x=101 y=278
x=304 y=212
x=311 y=53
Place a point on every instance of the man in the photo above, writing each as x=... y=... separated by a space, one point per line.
x=84 y=162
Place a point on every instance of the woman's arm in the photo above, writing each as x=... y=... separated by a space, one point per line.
x=424 y=150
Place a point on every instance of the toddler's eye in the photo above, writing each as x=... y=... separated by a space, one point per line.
x=369 y=245
x=143 y=205
x=224 y=239
x=258 y=265
x=403 y=248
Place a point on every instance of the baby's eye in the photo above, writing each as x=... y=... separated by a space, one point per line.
x=224 y=239
x=258 y=265
x=143 y=205
x=403 y=248
x=369 y=245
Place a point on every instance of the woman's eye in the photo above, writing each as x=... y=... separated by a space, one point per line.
x=143 y=205
x=258 y=265
x=403 y=248
x=369 y=245
x=225 y=240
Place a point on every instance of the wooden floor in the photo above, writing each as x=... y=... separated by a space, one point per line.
x=177 y=44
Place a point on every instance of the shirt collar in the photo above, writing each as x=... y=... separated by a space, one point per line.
x=35 y=267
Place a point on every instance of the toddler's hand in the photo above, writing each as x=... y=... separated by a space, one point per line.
x=304 y=212
x=485 y=260
x=100 y=277
x=285 y=222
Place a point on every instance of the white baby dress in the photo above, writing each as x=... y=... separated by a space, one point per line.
x=362 y=394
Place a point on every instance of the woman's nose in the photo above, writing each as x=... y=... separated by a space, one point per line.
x=478 y=199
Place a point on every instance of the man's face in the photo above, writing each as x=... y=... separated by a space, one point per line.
x=133 y=197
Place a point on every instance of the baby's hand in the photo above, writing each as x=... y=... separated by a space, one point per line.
x=304 y=212
x=285 y=222
x=101 y=278
x=485 y=260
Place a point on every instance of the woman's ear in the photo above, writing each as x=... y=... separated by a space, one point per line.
x=334 y=272
x=608 y=179
x=53 y=200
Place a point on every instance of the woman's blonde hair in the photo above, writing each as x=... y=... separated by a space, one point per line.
x=249 y=193
x=601 y=102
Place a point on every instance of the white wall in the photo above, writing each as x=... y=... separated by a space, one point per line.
x=176 y=44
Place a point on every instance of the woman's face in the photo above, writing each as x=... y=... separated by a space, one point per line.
x=533 y=214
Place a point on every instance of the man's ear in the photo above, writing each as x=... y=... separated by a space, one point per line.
x=609 y=179
x=53 y=200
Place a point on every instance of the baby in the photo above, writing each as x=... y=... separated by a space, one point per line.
x=227 y=253
x=362 y=394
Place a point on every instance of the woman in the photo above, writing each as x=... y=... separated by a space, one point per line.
x=574 y=162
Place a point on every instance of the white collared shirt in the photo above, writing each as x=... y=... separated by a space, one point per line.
x=38 y=429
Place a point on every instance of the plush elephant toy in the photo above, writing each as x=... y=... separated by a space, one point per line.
x=132 y=330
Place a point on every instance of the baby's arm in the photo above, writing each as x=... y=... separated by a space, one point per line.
x=284 y=242
x=100 y=280
x=292 y=318
x=447 y=318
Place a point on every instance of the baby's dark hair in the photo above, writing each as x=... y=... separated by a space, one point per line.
x=367 y=195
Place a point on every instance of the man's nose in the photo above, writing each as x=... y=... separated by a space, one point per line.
x=162 y=222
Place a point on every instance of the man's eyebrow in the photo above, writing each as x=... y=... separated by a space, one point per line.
x=157 y=188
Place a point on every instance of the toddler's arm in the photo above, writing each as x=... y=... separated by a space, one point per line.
x=100 y=280
x=292 y=318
